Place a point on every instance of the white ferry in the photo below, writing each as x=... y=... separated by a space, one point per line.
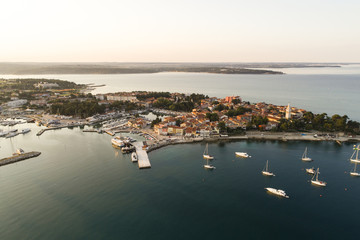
x=116 y=141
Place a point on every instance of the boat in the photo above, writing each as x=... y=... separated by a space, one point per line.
x=19 y=151
x=277 y=192
x=242 y=154
x=310 y=170
x=208 y=166
x=305 y=157
x=38 y=123
x=26 y=130
x=206 y=153
x=355 y=156
x=315 y=179
x=3 y=134
x=117 y=142
x=11 y=134
x=266 y=172
x=354 y=172
x=134 y=157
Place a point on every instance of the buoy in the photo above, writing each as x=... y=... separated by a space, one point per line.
x=345 y=189
x=320 y=195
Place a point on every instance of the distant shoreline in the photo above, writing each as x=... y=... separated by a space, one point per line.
x=138 y=68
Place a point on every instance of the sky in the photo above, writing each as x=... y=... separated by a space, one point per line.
x=179 y=31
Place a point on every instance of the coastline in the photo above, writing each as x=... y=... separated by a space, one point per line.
x=286 y=136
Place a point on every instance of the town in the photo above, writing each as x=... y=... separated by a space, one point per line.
x=56 y=103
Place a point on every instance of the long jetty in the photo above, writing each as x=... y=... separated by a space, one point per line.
x=18 y=157
x=143 y=158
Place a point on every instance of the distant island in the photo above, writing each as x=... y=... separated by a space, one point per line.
x=136 y=68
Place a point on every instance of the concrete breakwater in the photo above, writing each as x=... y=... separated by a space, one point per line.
x=18 y=157
x=257 y=136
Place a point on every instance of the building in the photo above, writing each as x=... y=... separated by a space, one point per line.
x=45 y=85
x=16 y=103
x=121 y=98
x=288 y=112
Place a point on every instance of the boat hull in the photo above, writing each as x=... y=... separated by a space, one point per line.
x=306 y=159
x=355 y=160
x=269 y=174
x=209 y=167
x=208 y=157
x=318 y=183
x=355 y=174
x=242 y=154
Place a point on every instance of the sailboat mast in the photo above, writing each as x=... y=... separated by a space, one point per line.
x=267 y=165
x=317 y=174
x=357 y=152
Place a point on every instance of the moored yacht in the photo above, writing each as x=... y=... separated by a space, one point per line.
x=277 y=192
x=116 y=141
x=315 y=179
x=242 y=154
x=354 y=172
x=206 y=153
x=305 y=157
x=355 y=156
x=26 y=130
x=310 y=170
x=134 y=157
x=266 y=171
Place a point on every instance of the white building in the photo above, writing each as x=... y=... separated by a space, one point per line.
x=121 y=98
x=288 y=112
x=16 y=103
x=46 y=85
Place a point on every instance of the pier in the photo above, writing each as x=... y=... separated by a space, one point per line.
x=18 y=157
x=143 y=158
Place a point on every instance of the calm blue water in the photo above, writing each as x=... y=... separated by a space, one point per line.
x=329 y=90
x=82 y=188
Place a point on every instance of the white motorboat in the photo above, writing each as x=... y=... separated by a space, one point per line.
x=206 y=153
x=3 y=134
x=26 y=130
x=305 y=157
x=315 y=179
x=354 y=172
x=11 y=134
x=310 y=170
x=134 y=157
x=355 y=156
x=266 y=171
x=277 y=192
x=242 y=154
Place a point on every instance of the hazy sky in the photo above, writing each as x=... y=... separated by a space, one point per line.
x=182 y=30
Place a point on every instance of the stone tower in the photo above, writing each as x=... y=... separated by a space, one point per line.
x=288 y=112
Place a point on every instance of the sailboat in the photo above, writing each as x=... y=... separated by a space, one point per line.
x=206 y=153
x=310 y=170
x=355 y=156
x=305 y=157
x=266 y=170
x=208 y=166
x=315 y=180
x=354 y=172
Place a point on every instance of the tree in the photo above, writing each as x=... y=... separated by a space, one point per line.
x=222 y=126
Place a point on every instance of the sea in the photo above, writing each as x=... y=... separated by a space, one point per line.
x=80 y=187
